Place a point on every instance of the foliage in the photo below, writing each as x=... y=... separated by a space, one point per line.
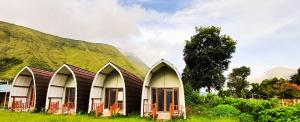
x=251 y=106
x=191 y=98
x=276 y=87
x=296 y=78
x=237 y=80
x=256 y=90
x=32 y=47
x=7 y=62
x=226 y=93
x=207 y=55
x=37 y=63
x=245 y=117
x=225 y=111
x=281 y=114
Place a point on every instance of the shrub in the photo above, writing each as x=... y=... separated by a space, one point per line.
x=191 y=97
x=245 y=117
x=213 y=100
x=225 y=111
x=282 y=114
x=251 y=106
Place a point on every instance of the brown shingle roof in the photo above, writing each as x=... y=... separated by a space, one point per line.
x=82 y=72
x=128 y=74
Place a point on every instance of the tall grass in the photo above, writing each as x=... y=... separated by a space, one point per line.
x=8 y=116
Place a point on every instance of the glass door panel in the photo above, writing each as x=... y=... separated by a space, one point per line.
x=70 y=95
x=112 y=93
x=169 y=97
x=160 y=96
x=106 y=98
x=163 y=97
x=154 y=96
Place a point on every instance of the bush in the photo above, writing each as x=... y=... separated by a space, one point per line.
x=225 y=111
x=191 y=97
x=282 y=114
x=213 y=100
x=251 y=106
x=245 y=117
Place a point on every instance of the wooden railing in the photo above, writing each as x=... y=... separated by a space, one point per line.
x=68 y=107
x=19 y=105
x=116 y=108
x=171 y=110
x=113 y=108
x=175 y=110
x=148 y=108
x=97 y=108
x=151 y=109
x=178 y=109
x=53 y=107
x=287 y=102
x=154 y=111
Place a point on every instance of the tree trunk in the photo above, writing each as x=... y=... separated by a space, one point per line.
x=208 y=89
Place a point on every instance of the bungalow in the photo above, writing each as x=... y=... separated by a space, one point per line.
x=163 y=93
x=115 y=90
x=68 y=90
x=29 y=89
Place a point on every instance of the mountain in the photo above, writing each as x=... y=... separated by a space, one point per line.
x=21 y=46
x=279 y=72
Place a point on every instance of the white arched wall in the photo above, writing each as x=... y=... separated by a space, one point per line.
x=109 y=76
x=63 y=77
x=20 y=80
x=171 y=79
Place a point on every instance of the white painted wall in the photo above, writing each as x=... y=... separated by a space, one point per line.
x=70 y=82
x=23 y=81
x=113 y=80
x=164 y=78
x=59 y=80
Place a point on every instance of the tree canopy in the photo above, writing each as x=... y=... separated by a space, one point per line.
x=237 y=79
x=296 y=78
x=207 y=55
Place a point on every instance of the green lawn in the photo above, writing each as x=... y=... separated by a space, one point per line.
x=8 y=116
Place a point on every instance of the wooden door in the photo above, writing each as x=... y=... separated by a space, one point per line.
x=163 y=97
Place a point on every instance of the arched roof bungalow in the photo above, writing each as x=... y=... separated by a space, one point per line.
x=68 y=90
x=115 y=90
x=163 y=92
x=29 y=89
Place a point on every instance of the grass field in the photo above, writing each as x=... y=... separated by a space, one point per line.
x=8 y=116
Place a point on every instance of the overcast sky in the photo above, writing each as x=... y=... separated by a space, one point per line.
x=267 y=31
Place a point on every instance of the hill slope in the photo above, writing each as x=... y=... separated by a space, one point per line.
x=21 y=46
x=279 y=72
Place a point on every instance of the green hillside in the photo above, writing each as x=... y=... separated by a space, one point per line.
x=21 y=46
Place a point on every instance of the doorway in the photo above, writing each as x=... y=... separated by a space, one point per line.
x=163 y=97
x=70 y=95
x=113 y=95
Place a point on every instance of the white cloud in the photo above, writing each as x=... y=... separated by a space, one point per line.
x=95 y=20
x=153 y=34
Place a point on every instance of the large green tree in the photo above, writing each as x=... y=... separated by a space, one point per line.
x=274 y=87
x=296 y=78
x=256 y=90
x=237 y=80
x=207 y=55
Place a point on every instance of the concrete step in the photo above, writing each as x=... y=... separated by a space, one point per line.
x=163 y=115
x=106 y=112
